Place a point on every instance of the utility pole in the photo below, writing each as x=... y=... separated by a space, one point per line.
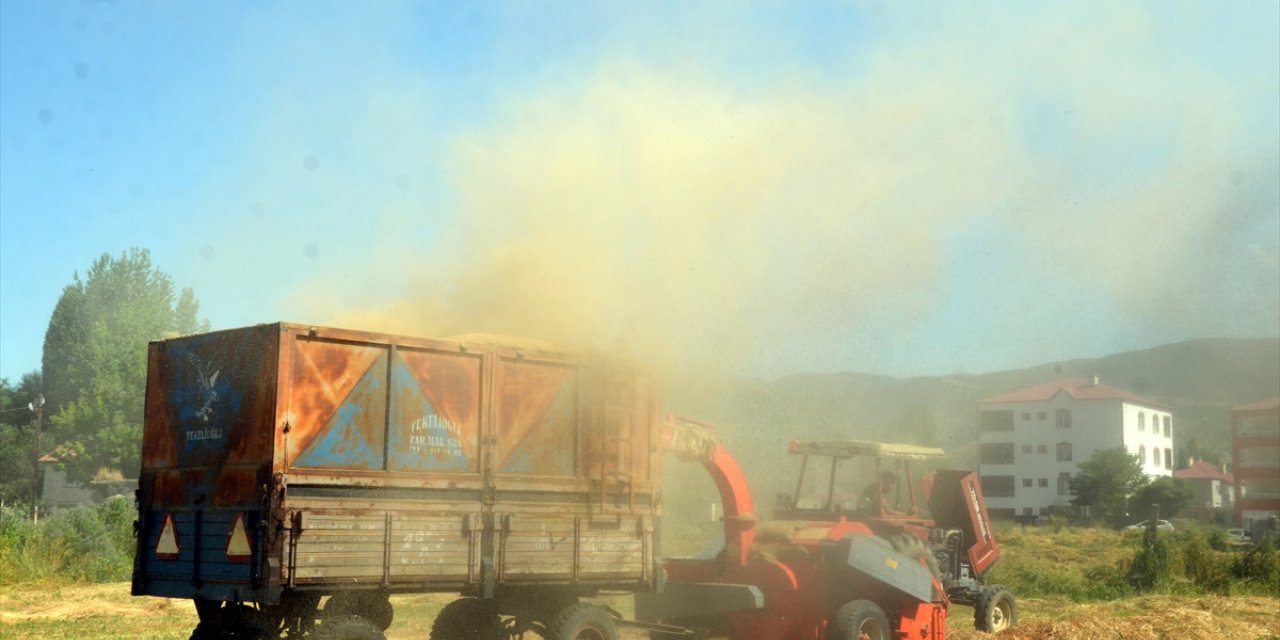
x=36 y=405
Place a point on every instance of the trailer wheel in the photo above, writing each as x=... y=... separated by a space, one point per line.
x=860 y=620
x=347 y=628
x=218 y=631
x=374 y=606
x=996 y=610
x=466 y=619
x=229 y=621
x=583 y=621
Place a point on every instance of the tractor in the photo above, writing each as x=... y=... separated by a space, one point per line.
x=830 y=567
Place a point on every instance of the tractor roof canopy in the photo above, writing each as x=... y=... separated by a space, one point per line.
x=851 y=448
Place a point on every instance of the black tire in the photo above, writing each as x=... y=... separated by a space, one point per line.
x=583 y=621
x=229 y=621
x=213 y=631
x=347 y=628
x=374 y=606
x=859 y=619
x=222 y=631
x=294 y=617
x=996 y=610
x=467 y=619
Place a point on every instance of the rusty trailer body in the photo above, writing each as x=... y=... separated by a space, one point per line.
x=284 y=459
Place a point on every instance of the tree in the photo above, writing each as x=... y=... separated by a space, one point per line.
x=1172 y=494
x=95 y=359
x=1194 y=449
x=1105 y=482
x=17 y=431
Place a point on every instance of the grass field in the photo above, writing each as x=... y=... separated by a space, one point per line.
x=108 y=612
x=1070 y=583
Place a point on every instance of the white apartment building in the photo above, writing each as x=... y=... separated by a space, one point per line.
x=1031 y=441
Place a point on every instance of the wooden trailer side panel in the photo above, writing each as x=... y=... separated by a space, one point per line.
x=428 y=463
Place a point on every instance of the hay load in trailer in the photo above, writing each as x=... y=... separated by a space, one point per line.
x=284 y=463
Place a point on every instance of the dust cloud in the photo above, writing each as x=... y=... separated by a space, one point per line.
x=687 y=221
x=677 y=222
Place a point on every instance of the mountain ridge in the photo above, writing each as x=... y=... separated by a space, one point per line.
x=1200 y=379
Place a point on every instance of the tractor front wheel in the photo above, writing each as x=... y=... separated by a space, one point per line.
x=860 y=620
x=996 y=610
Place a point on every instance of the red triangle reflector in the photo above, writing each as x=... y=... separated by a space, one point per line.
x=238 y=548
x=167 y=545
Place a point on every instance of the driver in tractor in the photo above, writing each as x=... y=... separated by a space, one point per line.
x=875 y=500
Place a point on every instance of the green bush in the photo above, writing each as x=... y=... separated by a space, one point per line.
x=1106 y=583
x=1218 y=540
x=93 y=544
x=1152 y=565
x=1258 y=568
x=1204 y=564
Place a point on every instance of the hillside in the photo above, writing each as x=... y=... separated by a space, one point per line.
x=1200 y=379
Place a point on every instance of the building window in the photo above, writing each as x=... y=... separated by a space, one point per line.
x=997 y=486
x=996 y=421
x=1064 y=451
x=1064 y=484
x=996 y=453
x=1063 y=417
x=1040 y=415
x=1026 y=416
x=1168 y=458
x=1142 y=454
x=1028 y=511
x=1259 y=457
x=1167 y=430
x=1026 y=448
x=1026 y=482
x=1258 y=426
x=1042 y=449
x=1260 y=487
x=1044 y=482
x=1142 y=421
x=1155 y=456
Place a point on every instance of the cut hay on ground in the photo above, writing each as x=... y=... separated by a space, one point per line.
x=1145 y=618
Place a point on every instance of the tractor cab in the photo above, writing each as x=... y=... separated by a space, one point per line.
x=878 y=489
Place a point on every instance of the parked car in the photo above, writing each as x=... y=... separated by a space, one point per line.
x=1239 y=536
x=1161 y=525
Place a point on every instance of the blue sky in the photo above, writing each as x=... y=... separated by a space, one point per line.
x=765 y=188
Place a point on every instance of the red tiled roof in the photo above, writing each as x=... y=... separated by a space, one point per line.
x=1264 y=405
x=1078 y=388
x=1202 y=470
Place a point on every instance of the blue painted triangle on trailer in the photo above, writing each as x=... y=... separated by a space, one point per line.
x=552 y=440
x=421 y=439
x=353 y=438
